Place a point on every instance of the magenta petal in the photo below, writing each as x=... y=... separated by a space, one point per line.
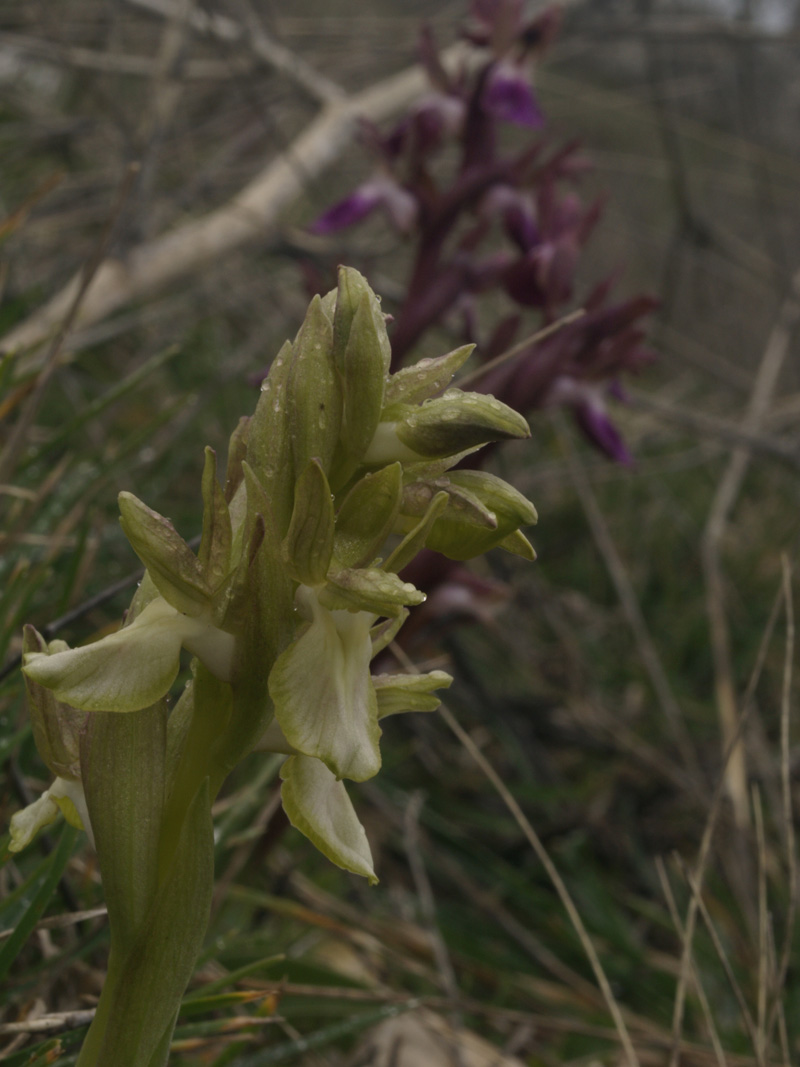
x=347 y=212
x=508 y=97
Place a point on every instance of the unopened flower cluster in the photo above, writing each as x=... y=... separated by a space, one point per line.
x=344 y=473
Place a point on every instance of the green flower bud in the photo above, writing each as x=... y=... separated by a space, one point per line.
x=176 y=571
x=216 y=542
x=425 y=379
x=367 y=516
x=362 y=354
x=314 y=404
x=369 y=589
x=269 y=446
x=443 y=426
x=56 y=726
x=408 y=692
x=462 y=532
x=308 y=545
x=457 y=420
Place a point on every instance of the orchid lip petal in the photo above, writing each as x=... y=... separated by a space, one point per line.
x=324 y=699
x=318 y=806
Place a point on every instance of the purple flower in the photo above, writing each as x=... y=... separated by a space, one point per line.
x=380 y=191
x=588 y=404
x=508 y=96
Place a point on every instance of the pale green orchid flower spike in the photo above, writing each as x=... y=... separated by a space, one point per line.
x=341 y=476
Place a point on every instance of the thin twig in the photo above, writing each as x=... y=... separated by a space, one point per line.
x=719 y=429
x=275 y=55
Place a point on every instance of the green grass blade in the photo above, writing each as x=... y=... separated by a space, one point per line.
x=57 y=862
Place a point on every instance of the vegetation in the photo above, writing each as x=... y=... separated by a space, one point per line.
x=593 y=682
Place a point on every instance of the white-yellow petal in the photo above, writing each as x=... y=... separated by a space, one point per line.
x=26 y=824
x=134 y=667
x=318 y=806
x=324 y=699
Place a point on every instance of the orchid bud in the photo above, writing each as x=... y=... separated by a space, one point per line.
x=314 y=393
x=443 y=426
x=176 y=571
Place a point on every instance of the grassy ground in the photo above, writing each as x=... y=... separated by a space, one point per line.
x=594 y=694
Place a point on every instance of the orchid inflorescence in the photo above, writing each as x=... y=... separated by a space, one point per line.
x=340 y=478
x=499 y=221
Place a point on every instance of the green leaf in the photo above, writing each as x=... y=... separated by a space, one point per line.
x=262 y=606
x=123 y=759
x=237 y=453
x=318 y=806
x=56 y=864
x=308 y=544
x=518 y=545
x=172 y=565
x=146 y=986
x=367 y=516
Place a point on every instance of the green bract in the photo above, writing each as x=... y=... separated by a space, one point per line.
x=342 y=475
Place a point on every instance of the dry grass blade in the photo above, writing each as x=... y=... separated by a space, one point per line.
x=726 y=965
x=521 y=346
x=787 y=813
x=687 y=965
x=648 y=652
x=725 y=498
x=764 y=945
x=553 y=875
x=708 y=834
x=427 y=900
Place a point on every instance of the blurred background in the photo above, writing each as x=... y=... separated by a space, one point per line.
x=604 y=682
